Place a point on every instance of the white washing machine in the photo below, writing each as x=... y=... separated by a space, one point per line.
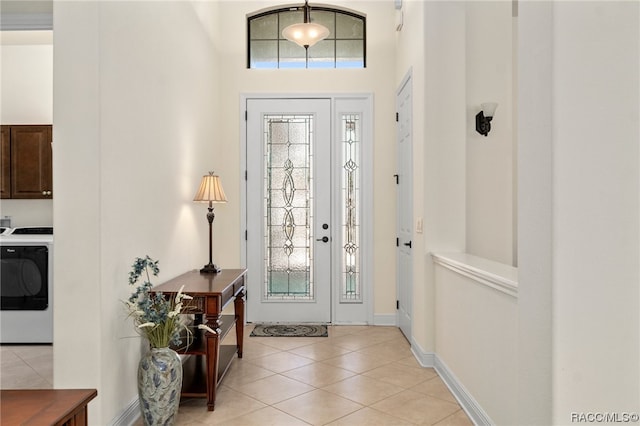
x=26 y=285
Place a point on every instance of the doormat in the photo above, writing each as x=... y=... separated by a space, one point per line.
x=290 y=330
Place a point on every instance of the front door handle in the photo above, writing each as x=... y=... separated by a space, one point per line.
x=323 y=239
x=408 y=244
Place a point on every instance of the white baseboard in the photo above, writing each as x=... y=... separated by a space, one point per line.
x=129 y=416
x=431 y=360
x=475 y=412
x=385 y=319
x=425 y=359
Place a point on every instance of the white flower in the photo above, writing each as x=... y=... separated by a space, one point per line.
x=147 y=324
x=133 y=309
x=206 y=327
x=179 y=295
x=176 y=310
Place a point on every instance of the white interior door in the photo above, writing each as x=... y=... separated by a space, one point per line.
x=289 y=210
x=405 y=208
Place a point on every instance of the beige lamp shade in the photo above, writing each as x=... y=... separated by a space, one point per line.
x=210 y=190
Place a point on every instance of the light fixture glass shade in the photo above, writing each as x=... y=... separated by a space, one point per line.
x=210 y=190
x=489 y=108
x=305 y=34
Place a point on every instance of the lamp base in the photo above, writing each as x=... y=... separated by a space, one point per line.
x=210 y=269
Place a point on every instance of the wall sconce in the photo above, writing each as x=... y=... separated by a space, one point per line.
x=484 y=117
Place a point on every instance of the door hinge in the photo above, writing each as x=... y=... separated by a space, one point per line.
x=246 y=116
x=397 y=242
x=397 y=179
x=397 y=304
x=246 y=235
x=246 y=173
x=397 y=116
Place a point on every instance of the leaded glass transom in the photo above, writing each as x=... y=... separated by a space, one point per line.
x=288 y=183
x=350 y=188
x=345 y=47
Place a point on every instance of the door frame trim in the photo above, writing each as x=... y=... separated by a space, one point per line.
x=367 y=242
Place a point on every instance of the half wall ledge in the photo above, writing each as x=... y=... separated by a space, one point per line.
x=498 y=276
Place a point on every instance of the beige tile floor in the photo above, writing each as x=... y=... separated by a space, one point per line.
x=26 y=367
x=358 y=375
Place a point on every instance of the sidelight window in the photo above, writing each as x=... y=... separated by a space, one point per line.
x=350 y=205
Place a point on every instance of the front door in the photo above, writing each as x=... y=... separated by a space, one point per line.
x=289 y=229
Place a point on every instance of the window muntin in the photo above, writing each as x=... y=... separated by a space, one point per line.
x=345 y=47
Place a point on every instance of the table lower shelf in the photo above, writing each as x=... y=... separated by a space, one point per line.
x=194 y=371
x=195 y=342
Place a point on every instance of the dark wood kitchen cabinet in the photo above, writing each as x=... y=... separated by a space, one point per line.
x=29 y=172
x=5 y=163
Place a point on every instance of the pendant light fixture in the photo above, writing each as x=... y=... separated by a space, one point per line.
x=305 y=34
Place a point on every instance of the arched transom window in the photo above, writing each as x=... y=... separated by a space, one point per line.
x=345 y=47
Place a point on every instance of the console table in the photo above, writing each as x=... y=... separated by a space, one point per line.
x=209 y=359
x=42 y=407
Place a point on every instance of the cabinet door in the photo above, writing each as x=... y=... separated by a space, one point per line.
x=31 y=173
x=5 y=163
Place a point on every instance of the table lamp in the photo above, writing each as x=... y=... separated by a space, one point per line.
x=210 y=191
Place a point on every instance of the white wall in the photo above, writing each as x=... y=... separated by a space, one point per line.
x=135 y=116
x=460 y=54
x=77 y=267
x=444 y=152
x=579 y=209
x=595 y=208
x=535 y=89
x=410 y=59
x=477 y=335
x=490 y=160
x=26 y=78
x=26 y=64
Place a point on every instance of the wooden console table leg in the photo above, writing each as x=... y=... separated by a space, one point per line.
x=213 y=358
x=239 y=313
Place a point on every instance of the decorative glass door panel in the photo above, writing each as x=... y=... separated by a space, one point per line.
x=289 y=198
x=350 y=206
